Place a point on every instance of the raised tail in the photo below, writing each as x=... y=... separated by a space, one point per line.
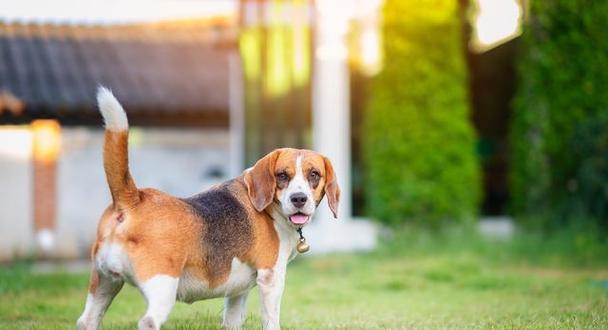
x=115 y=151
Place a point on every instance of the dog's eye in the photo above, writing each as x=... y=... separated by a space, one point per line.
x=282 y=176
x=314 y=175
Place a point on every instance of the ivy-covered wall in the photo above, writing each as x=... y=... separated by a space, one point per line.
x=559 y=135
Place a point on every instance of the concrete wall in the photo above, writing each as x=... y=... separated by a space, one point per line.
x=15 y=192
x=180 y=162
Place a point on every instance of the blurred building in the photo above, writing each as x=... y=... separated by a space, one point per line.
x=173 y=80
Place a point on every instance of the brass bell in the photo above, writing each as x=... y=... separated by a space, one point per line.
x=302 y=247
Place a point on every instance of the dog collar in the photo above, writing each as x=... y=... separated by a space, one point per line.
x=302 y=246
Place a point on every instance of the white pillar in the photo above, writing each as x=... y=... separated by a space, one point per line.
x=331 y=130
x=331 y=99
x=236 y=115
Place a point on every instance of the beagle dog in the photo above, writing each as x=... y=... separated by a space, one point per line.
x=219 y=243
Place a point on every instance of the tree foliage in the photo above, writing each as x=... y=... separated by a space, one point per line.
x=418 y=140
x=559 y=130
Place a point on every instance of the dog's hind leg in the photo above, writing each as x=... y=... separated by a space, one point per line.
x=102 y=290
x=160 y=292
x=234 y=311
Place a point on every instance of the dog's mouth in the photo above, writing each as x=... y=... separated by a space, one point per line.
x=299 y=218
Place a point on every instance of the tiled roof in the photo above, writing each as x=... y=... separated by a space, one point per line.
x=164 y=71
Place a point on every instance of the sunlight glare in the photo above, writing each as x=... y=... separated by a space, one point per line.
x=47 y=139
x=497 y=20
x=370 y=52
x=15 y=142
x=112 y=11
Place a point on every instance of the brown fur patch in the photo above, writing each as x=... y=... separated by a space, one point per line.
x=116 y=166
x=331 y=188
x=93 y=280
x=261 y=181
x=165 y=231
x=157 y=234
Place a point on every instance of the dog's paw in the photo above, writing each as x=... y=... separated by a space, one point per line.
x=147 y=323
x=81 y=325
x=232 y=326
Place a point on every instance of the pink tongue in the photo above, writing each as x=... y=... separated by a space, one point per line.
x=298 y=218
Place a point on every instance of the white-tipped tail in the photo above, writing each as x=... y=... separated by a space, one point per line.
x=113 y=114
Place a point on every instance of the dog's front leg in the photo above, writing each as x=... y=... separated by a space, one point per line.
x=234 y=311
x=271 y=283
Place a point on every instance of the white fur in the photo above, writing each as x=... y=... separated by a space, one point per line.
x=296 y=185
x=288 y=236
x=240 y=279
x=97 y=303
x=113 y=114
x=160 y=292
x=85 y=318
x=272 y=281
x=113 y=267
x=234 y=311
x=112 y=261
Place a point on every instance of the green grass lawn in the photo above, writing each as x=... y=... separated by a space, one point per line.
x=413 y=280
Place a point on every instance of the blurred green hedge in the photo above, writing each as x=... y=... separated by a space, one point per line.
x=559 y=133
x=419 y=145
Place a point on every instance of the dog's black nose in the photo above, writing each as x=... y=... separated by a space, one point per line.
x=298 y=199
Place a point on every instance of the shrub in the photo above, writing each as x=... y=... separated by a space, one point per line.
x=418 y=142
x=558 y=136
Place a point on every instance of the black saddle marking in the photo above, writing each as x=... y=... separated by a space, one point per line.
x=227 y=231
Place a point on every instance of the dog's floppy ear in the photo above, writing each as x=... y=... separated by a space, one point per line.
x=332 y=191
x=261 y=182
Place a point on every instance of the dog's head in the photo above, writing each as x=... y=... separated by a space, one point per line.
x=296 y=181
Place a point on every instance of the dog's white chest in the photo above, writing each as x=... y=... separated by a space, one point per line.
x=240 y=279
